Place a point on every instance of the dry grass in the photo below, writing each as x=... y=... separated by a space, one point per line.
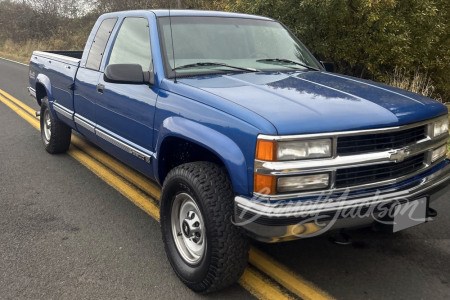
x=22 y=51
x=419 y=82
x=17 y=52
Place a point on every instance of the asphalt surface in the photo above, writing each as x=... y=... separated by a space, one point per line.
x=66 y=234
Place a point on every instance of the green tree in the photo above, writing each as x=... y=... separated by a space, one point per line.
x=369 y=38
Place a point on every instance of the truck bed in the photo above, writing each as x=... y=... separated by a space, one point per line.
x=74 y=54
x=68 y=57
x=59 y=68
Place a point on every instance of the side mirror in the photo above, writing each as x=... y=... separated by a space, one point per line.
x=127 y=73
x=329 y=66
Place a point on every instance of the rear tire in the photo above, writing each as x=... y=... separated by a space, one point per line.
x=54 y=133
x=206 y=250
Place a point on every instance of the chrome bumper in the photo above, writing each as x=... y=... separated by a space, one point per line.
x=288 y=219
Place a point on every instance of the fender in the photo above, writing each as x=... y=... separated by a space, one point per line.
x=45 y=81
x=222 y=146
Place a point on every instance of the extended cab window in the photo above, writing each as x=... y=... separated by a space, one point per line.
x=132 y=45
x=98 y=45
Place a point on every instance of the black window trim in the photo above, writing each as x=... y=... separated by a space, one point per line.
x=106 y=44
x=113 y=42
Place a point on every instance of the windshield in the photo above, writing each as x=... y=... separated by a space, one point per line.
x=205 y=45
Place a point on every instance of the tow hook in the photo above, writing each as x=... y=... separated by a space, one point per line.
x=341 y=238
x=431 y=214
x=38 y=113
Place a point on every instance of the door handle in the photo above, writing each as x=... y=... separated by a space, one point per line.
x=100 y=88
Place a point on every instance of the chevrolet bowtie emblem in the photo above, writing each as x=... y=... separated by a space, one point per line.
x=399 y=155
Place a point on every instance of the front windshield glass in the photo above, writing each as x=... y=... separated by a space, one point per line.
x=242 y=44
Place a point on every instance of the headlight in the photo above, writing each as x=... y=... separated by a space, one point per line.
x=440 y=127
x=294 y=150
x=270 y=185
x=302 y=183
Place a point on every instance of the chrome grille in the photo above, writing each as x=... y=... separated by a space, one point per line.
x=379 y=141
x=373 y=173
x=362 y=159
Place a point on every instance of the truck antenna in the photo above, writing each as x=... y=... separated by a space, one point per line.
x=173 y=46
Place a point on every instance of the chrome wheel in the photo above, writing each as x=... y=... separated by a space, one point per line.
x=188 y=228
x=47 y=125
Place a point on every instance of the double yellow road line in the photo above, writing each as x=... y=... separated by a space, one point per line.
x=265 y=278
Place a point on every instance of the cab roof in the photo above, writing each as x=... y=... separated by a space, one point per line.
x=203 y=13
x=180 y=12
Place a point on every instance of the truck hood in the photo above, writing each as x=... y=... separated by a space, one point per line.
x=313 y=102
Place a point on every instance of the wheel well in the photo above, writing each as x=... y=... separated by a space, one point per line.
x=177 y=151
x=40 y=93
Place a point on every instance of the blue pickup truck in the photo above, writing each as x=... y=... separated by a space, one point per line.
x=247 y=133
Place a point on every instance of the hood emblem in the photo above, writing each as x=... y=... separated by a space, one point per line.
x=399 y=155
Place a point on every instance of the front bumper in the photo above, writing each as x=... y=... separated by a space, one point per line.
x=288 y=219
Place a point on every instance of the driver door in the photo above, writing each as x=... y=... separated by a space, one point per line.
x=125 y=112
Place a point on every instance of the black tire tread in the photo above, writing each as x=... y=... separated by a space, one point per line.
x=230 y=245
x=61 y=133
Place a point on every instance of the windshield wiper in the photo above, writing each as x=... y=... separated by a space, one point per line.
x=284 y=60
x=212 y=64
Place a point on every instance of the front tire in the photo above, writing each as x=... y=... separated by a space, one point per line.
x=205 y=249
x=54 y=134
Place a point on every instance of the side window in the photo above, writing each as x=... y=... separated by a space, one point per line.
x=132 y=45
x=98 y=45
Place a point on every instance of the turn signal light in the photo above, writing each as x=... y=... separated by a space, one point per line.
x=264 y=184
x=266 y=150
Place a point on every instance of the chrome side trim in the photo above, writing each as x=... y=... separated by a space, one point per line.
x=63 y=111
x=84 y=124
x=133 y=151
x=346 y=133
x=31 y=91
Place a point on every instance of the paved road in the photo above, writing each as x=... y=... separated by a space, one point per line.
x=65 y=233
